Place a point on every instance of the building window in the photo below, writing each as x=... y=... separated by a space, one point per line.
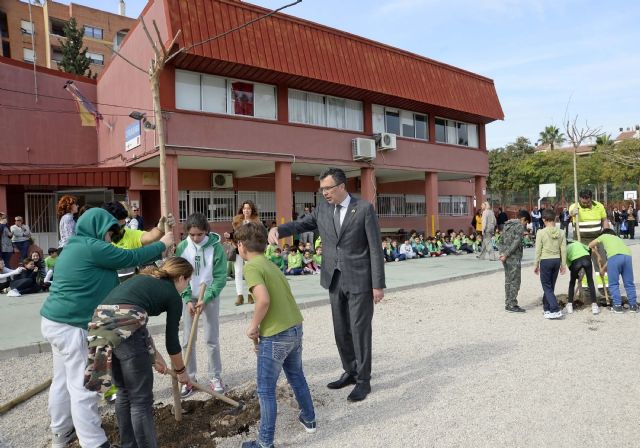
x=207 y=93
x=120 y=35
x=92 y=31
x=400 y=122
x=453 y=205
x=56 y=54
x=400 y=205
x=4 y=26
x=26 y=27
x=28 y=55
x=327 y=111
x=57 y=27
x=6 y=49
x=456 y=133
x=96 y=58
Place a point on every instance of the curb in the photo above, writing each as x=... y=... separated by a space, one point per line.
x=45 y=347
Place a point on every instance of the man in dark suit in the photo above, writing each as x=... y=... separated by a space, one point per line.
x=352 y=271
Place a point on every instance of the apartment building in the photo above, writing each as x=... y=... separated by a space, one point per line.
x=33 y=31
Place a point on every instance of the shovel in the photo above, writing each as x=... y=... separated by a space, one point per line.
x=239 y=406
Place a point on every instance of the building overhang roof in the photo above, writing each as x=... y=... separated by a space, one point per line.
x=308 y=56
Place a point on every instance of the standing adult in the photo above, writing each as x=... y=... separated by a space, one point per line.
x=632 y=222
x=137 y=221
x=306 y=237
x=67 y=207
x=246 y=213
x=488 y=229
x=352 y=271
x=85 y=274
x=5 y=240
x=616 y=219
x=565 y=218
x=21 y=237
x=502 y=218
x=536 y=217
x=510 y=247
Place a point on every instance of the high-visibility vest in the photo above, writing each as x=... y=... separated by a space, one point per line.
x=590 y=219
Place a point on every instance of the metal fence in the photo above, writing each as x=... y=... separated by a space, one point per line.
x=222 y=206
x=406 y=205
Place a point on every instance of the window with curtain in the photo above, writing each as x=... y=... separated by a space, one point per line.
x=456 y=133
x=215 y=94
x=327 y=111
x=401 y=122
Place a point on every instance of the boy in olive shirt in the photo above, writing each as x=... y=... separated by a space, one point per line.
x=276 y=329
x=618 y=264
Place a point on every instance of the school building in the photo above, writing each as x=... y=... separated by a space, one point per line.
x=259 y=113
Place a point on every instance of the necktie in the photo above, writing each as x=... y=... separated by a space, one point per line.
x=336 y=218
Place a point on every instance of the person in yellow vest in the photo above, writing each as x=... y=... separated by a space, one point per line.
x=592 y=220
x=592 y=217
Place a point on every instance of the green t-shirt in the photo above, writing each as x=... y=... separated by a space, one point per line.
x=613 y=245
x=132 y=239
x=576 y=250
x=294 y=260
x=317 y=259
x=50 y=262
x=278 y=260
x=283 y=311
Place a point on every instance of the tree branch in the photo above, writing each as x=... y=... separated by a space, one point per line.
x=125 y=59
x=164 y=50
x=146 y=31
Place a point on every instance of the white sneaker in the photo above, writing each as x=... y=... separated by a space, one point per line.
x=63 y=440
x=13 y=293
x=569 y=308
x=595 y=309
x=217 y=385
x=556 y=315
x=547 y=314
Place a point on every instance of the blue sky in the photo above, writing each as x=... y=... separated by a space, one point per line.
x=549 y=59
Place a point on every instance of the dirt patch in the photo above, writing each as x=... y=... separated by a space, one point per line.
x=203 y=422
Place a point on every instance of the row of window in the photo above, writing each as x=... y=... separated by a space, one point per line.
x=57 y=28
x=56 y=55
x=208 y=93
x=407 y=205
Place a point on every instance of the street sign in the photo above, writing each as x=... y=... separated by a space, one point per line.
x=547 y=190
x=631 y=195
x=132 y=136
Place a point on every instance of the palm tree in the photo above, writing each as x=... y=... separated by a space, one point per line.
x=551 y=136
x=604 y=140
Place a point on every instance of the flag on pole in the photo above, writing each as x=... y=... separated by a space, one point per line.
x=89 y=115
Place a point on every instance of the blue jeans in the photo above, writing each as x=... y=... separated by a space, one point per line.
x=620 y=265
x=549 y=269
x=23 y=247
x=133 y=376
x=282 y=351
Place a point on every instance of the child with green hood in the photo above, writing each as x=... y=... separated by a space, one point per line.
x=551 y=258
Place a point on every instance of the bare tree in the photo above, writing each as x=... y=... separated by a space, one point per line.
x=577 y=136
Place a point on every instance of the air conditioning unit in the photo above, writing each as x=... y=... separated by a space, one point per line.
x=386 y=141
x=221 y=180
x=363 y=149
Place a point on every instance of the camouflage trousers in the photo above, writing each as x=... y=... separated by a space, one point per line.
x=512 y=268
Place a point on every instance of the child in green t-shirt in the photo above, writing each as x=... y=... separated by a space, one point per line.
x=49 y=264
x=278 y=259
x=317 y=257
x=276 y=330
x=579 y=258
x=294 y=262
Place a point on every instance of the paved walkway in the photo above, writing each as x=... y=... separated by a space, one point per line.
x=20 y=318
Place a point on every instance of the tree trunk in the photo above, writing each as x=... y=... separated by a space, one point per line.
x=575 y=191
x=157 y=112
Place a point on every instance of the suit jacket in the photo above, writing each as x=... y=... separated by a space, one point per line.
x=356 y=249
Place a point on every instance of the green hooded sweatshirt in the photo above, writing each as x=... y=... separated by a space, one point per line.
x=551 y=243
x=86 y=269
x=211 y=267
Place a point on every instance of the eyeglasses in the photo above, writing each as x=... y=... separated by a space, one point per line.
x=325 y=189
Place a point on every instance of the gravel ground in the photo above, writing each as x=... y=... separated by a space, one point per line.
x=451 y=369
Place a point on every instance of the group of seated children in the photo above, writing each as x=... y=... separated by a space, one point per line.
x=298 y=259
x=32 y=276
x=442 y=244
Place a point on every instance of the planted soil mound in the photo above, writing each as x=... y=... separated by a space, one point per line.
x=203 y=422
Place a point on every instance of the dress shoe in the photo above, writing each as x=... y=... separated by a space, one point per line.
x=360 y=392
x=514 y=309
x=344 y=381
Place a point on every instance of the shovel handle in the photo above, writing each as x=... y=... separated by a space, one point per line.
x=194 y=324
x=177 y=404
x=207 y=390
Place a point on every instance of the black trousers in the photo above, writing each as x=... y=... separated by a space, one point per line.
x=582 y=263
x=352 y=315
